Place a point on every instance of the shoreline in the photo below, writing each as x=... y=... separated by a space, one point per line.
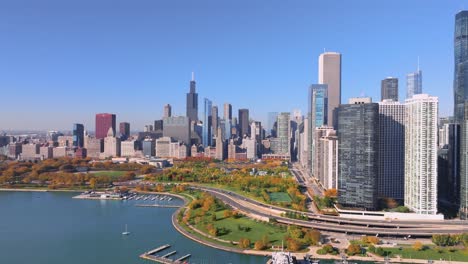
x=252 y=252
x=37 y=190
x=299 y=255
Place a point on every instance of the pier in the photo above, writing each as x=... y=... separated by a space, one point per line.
x=150 y=255
x=169 y=254
x=183 y=258
x=156 y=250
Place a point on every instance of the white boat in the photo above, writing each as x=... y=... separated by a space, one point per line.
x=126 y=233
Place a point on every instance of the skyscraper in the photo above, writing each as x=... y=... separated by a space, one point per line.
x=464 y=167
x=206 y=130
x=389 y=89
x=271 y=121
x=318 y=116
x=192 y=101
x=104 y=121
x=460 y=88
x=214 y=120
x=78 y=135
x=284 y=133
x=244 y=122
x=330 y=73
x=358 y=148
x=124 y=130
x=421 y=154
x=178 y=128
x=413 y=83
x=391 y=180
x=227 y=111
x=167 y=110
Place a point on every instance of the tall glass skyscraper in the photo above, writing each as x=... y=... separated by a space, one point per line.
x=272 y=116
x=206 y=130
x=460 y=89
x=192 y=101
x=413 y=83
x=318 y=115
x=78 y=135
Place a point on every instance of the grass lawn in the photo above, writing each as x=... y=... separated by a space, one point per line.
x=250 y=229
x=279 y=197
x=429 y=253
x=112 y=174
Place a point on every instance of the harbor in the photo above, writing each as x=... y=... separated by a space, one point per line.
x=105 y=195
x=154 y=256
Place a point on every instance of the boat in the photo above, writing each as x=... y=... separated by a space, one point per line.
x=126 y=233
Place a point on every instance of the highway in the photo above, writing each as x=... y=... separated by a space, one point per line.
x=336 y=224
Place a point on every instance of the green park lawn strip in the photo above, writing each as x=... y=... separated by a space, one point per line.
x=280 y=197
x=250 y=229
x=112 y=174
x=429 y=253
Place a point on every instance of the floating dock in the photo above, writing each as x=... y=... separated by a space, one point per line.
x=150 y=255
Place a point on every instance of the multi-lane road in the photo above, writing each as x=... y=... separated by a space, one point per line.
x=337 y=224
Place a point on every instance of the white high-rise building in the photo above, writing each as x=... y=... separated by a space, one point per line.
x=421 y=154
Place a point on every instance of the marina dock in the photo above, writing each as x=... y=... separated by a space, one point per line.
x=164 y=259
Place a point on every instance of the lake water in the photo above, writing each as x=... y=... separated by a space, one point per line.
x=53 y=228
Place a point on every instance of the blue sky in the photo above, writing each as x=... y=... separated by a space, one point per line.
x=63 y=61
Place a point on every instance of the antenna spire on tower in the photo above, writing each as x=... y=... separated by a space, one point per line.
x=418 y=63
x=193 y=76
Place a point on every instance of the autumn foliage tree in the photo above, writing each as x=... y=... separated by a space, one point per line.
x=418 y=246
x=353 y=250
x=244 y=243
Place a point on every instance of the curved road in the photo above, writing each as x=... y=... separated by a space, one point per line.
x=336 y=224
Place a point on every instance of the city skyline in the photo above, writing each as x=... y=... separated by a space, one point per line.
x=144 y=75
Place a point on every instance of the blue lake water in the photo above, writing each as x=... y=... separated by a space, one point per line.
x=53 y=228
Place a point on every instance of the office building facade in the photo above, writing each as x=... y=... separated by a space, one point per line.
x=358 y=142
x=104 y=121
x=389 y=89
x=78 y=135
x=124 y=130
x=244 y=123
x=391 y=179
x=330 y=74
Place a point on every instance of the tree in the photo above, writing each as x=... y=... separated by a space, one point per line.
x=371 y=239
x=354 y=250
x=92 y=183
x=418 y=246
x=227 y=213
x=244 y=243
x=259 y=245
x=445 y=240
x=293 y=244
x=313 y=236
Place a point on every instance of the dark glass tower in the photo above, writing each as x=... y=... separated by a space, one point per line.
x=244 y=122
x=192 y=101
x=460 y=84
x=358 y=137
x=78 y=135
x=389 y=89
x=460 y=90
x=124 y=129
